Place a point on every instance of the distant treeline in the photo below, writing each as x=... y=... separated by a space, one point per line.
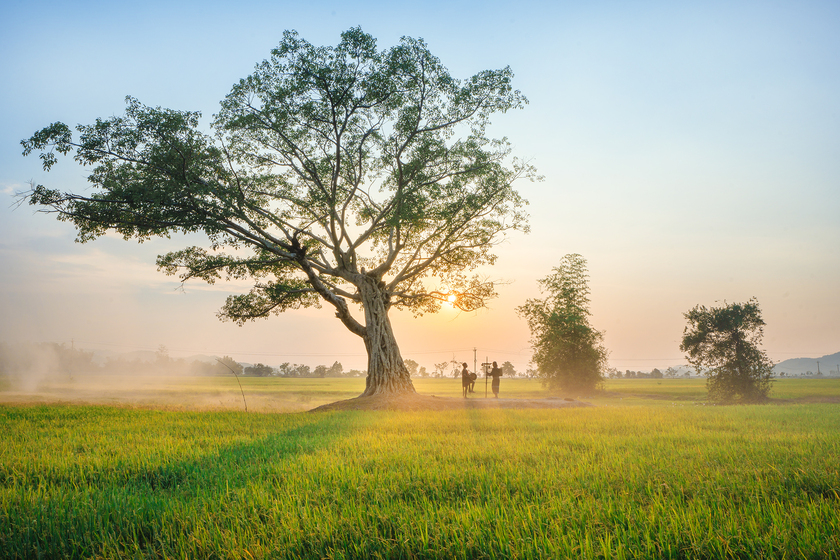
x=653 y=374
x=49 y=359
x=287 y=369
x=53 y=360
x=44 y=359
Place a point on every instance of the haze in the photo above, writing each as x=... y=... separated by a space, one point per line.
x=691 y=154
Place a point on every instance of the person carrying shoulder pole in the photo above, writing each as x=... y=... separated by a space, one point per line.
x=495 y=373
x=466 y=379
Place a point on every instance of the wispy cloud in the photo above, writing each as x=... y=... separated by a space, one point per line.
x=12 y=189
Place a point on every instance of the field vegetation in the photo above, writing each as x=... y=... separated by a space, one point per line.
x=652 y=472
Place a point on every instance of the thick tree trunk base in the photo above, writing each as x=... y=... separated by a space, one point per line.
x=387 y=374
x=389 y=386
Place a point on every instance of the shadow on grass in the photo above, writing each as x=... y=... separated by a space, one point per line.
x=125 y=509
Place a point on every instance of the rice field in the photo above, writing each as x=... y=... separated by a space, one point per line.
x=652 y=472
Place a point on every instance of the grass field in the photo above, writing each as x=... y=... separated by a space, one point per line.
x=276 y=394
x=652 y=472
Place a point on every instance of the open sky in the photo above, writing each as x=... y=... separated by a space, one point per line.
x=691 y=153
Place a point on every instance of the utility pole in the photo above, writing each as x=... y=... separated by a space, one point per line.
x=475 y=360
x=484 y=366
x=818 y=368
x=485 y=385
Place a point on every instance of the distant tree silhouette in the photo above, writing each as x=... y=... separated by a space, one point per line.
x=724 y=343
x=567 y=349
x=508 y=370
x=259 y=370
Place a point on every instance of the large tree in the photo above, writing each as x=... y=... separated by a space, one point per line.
x=568 y=351
x=346 y=175
x=724 y=343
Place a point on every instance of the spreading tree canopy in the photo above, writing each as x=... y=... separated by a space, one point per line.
x=347 y=175
x=724 y=343
x=568 y=351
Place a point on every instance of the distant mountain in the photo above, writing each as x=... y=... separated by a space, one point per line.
x=829 y=365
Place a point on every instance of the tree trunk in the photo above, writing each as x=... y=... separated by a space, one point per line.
x=386 y=371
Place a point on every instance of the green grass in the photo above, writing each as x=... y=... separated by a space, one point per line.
x=694 y=389
x=655 y=477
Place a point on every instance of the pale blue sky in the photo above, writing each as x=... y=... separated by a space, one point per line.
x=691 y=153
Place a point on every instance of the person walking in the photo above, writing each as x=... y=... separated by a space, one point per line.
x=466 y=379
x=495 y=373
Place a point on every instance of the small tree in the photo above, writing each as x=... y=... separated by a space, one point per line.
x=335 y=370
x=508 y=370
x=411 y=366
x=723 y=343
x=227 y=365
x=224 y=366
x=567 y=351
x=259 y=370
x=440 y=369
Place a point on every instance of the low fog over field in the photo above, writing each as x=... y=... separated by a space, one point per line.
x=49 y=373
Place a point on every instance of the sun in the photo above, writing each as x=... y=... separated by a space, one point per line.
x=451 y=298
